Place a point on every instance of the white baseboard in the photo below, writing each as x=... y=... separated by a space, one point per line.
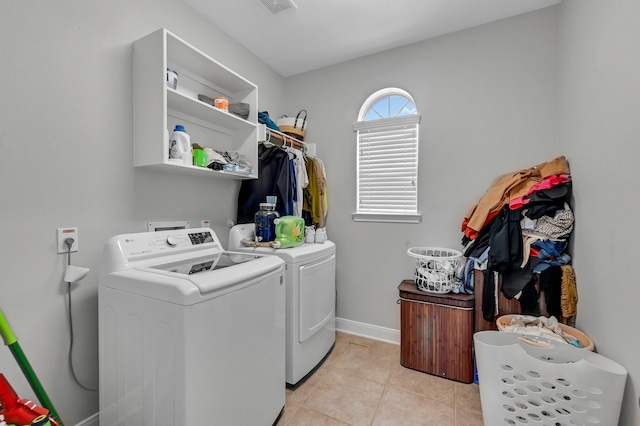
x=91 y=421
x=370 y=331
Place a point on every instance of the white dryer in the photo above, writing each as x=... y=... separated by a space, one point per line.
x=189 y=334
x=310 y=279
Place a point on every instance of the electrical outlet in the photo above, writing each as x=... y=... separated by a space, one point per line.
x=206 y=223
x=63 y=234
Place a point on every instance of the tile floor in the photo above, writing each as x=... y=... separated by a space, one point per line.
x=363 y=383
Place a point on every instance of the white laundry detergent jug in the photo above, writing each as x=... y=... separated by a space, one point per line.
x=180 y=146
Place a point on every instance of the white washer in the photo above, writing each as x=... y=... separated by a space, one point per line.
x=310 y=302
x=189 y=334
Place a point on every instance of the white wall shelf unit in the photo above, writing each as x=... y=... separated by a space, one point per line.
x=158 y=108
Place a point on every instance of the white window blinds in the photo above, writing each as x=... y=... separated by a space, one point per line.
x=387 y=165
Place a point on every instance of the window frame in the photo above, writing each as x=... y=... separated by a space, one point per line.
x=360 y=127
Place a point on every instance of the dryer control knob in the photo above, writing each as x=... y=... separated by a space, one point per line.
x=172 y=241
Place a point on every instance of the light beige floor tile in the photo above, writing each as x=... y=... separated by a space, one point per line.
x=372 y=362
x=345 y=397
x=423 y=384
x=363 y=383
x=298 y=396
x=387 y=349
x=341 y=336
x=339 y=348
x=369 y=343
x=468 y=397
x=352 y=338
x=398 y=407
x=305 y=417
x=289 y=411
x=468 y=418
x=302 y=391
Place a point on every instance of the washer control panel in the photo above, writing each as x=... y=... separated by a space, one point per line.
x=164 y=242
x=202 y=237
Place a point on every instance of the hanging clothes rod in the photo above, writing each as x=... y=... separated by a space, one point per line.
x=280 y=139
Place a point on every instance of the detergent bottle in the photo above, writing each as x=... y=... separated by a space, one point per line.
x=180 y=146
x=289 y=232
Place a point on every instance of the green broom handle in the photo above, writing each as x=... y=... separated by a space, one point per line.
x=5 y=330
x=12 y=342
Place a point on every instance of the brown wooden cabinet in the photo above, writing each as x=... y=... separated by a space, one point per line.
x=436 y=332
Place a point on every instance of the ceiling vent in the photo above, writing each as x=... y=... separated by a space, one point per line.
x=275 y=6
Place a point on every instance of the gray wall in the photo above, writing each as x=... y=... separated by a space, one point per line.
x=66 y=131
x=495 y=98
x=599 y=109
x=487 y=97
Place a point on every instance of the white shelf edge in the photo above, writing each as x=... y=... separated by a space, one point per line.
x=197 y=171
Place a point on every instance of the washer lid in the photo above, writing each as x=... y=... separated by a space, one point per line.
x=192 y=281
x=203 y=264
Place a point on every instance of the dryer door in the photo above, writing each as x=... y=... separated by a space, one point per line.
x=317 y=296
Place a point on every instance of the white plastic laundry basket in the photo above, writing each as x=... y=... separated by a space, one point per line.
x=435 y=268
x=531 y=381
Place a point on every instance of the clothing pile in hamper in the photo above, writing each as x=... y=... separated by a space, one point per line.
x=519 y=230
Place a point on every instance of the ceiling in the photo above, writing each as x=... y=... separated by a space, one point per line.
x=315 y=34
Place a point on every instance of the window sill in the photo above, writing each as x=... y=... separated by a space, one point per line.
x=391 y=218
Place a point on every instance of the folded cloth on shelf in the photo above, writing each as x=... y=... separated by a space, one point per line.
x=235 y=157
x=206 y=99
x=214 y=157
x=241 y=109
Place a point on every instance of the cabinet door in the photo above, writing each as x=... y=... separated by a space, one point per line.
x=437 y=339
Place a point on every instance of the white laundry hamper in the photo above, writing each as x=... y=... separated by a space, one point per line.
x=435 y=268
x=532 y=381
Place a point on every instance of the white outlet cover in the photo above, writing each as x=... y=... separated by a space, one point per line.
x=63 y=234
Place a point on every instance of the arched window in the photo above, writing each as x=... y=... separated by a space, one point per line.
x=387 y=158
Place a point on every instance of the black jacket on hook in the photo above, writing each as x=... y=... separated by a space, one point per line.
x=274 y=178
